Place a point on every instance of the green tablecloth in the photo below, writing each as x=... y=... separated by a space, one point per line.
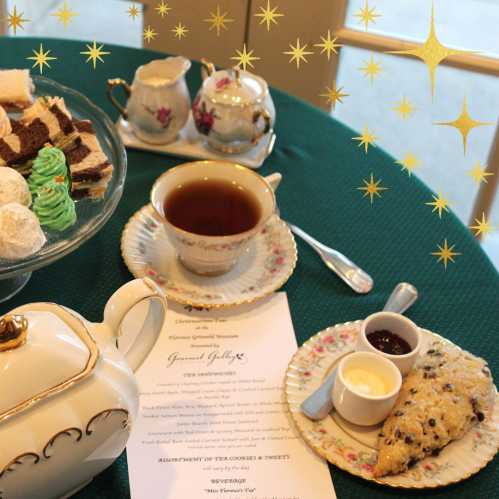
x=322 y=168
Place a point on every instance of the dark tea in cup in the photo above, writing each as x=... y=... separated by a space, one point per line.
x=212 y=207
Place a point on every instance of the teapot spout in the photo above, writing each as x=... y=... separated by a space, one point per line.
x=122 y=302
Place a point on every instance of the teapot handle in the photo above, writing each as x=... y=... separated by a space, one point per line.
x=121 y=302
x=207 y=68
x=111 y=85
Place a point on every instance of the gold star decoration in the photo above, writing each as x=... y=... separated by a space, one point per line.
x=371 y=68
x=334 y=95
x=464 y=123
x=328 y=45
x=478 y=174
x=133 y=11
x=41 y=58
x=482 y=226
x=180 y=30
x=15 y=20
x=64 y=14
x=298 y=53
x=218 y=21
x=432 y=52
x=409 y=162
x=366 y=139
x=149 y=34
x=372 y=188
x=404 y=108
x=245 y=58
x=95 y=53
x=445 y=253
x=367 y=15
x=269 y=15
x=163 y=8
x=439 y=204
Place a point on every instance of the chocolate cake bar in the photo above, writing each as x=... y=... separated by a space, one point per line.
x=16 y=87
x=47 y=121
x=90 y=169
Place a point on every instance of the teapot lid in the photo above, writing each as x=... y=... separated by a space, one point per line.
x=233 y=87
x=44 y=350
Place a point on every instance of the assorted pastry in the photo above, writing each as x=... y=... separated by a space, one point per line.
x=441 y=399
x=48 y=160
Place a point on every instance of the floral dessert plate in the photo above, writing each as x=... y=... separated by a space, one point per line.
x=263 y=268
x=353 y=448
x=190 y=144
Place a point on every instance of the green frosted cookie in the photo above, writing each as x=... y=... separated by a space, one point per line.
x=49 y=163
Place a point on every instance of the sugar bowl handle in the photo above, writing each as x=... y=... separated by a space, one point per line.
x=111 y=85
x=122 y=302
x=207 y=68
x=267 y=119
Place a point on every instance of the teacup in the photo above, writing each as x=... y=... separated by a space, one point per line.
x=366 y=388
x=206 y=254
x=399 y=325
x=158 y=103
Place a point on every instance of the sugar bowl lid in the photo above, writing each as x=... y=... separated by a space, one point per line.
x=44 y=350
x=234 y=87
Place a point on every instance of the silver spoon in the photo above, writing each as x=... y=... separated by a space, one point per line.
x=319 y=404
x=352 y=274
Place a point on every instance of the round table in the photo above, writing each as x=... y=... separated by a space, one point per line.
x=322 y=167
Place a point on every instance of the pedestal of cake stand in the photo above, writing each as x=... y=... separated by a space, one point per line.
x=12 y=285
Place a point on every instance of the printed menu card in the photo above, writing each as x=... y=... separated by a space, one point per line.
x=213 y=420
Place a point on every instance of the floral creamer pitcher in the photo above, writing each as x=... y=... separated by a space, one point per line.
x=158 y=100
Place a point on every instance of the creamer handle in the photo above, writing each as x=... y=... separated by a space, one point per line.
x=122 y=302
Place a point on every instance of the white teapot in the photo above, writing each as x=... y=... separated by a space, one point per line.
x=68 y=394
x=233 y=109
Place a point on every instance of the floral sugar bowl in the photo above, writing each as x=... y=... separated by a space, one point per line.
x=158 y=100
x=233 y=109
x=68 y=394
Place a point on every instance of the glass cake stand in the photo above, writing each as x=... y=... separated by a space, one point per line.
x=92 y=215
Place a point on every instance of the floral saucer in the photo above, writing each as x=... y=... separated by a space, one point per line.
x=353 y=448
x=263 y=268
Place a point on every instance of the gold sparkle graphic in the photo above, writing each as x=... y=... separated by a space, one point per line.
x=366 y=139
x=41 y=58
x=95 y=53
x=269 y=15
x=482 y=226
x=328 y=45
x=334 y=95
x=218 y=21
x=149 y=34
x=163 y=8
x=245 y=58
x=372 y=188
x=133 y=11
x=64 y=14
x=409 y=163
x=439 y=204
x=298 y=53
x=464 y=123
x=371 y=68
x=404 y=108
x=16 y=20
x=478 y=173
x=367 y=15
x=180 y=30
x=432 y=52
x=445 y=254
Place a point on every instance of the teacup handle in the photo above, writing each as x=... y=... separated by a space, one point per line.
x=118 y=306
x=274 y=179
x=111 y=85
x=262 y=113
x=207 y=68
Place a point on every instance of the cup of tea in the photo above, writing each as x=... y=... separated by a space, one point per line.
x=211 y=210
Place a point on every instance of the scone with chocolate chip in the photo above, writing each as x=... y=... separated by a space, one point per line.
x=447 y=392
